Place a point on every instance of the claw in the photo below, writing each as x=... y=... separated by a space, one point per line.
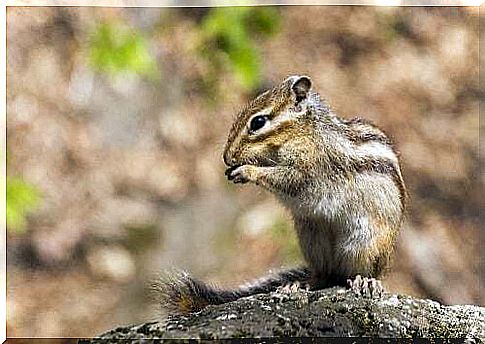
x=237 y=174
x=367 y=287
x=229 y=171
x=290 y=288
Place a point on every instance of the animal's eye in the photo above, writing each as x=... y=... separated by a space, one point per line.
x=257 y=123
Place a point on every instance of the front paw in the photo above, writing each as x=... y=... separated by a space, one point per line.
x=241 y=174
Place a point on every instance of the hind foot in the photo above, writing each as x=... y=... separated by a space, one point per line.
x=293 y=287
x=367 y=287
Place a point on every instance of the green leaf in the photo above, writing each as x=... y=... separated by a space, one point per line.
x=116 y=48
x=245 y=62
x=264 y=20
x=22 y=198
x=234 y=29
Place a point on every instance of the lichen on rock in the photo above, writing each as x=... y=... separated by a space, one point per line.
x=334 y=312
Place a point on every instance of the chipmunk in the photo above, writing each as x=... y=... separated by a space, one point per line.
x=340 y=179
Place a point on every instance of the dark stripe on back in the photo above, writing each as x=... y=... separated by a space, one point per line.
x=383 y=166
x=359 y=135
x=361 y=138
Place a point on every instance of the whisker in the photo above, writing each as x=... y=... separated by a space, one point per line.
x=271 y=160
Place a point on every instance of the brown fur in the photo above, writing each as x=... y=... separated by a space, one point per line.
x=340 y=179
x=309 y=150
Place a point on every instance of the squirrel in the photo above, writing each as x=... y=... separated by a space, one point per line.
x=340 y=179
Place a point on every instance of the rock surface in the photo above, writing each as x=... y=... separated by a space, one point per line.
x=334 y=312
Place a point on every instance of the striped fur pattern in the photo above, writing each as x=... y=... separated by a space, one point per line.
x=340 y=179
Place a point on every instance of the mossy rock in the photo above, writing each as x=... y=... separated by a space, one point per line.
x=334 y=312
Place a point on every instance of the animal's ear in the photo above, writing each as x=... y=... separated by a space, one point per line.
x=301 y=86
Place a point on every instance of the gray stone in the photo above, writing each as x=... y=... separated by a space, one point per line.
x=334 y=312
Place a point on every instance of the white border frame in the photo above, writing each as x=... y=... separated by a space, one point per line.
x=216 y=3
x=138 y=3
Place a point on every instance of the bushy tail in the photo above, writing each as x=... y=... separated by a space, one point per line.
x=179 y=293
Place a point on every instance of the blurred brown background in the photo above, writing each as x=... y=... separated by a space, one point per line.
x=116 y=119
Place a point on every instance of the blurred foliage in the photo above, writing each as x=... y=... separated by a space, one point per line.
x=22 y=198
x=283 y=234
x=142 y=236
x=116 y=48
x=232 y=31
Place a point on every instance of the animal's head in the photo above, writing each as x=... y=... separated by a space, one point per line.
x=268 y=123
